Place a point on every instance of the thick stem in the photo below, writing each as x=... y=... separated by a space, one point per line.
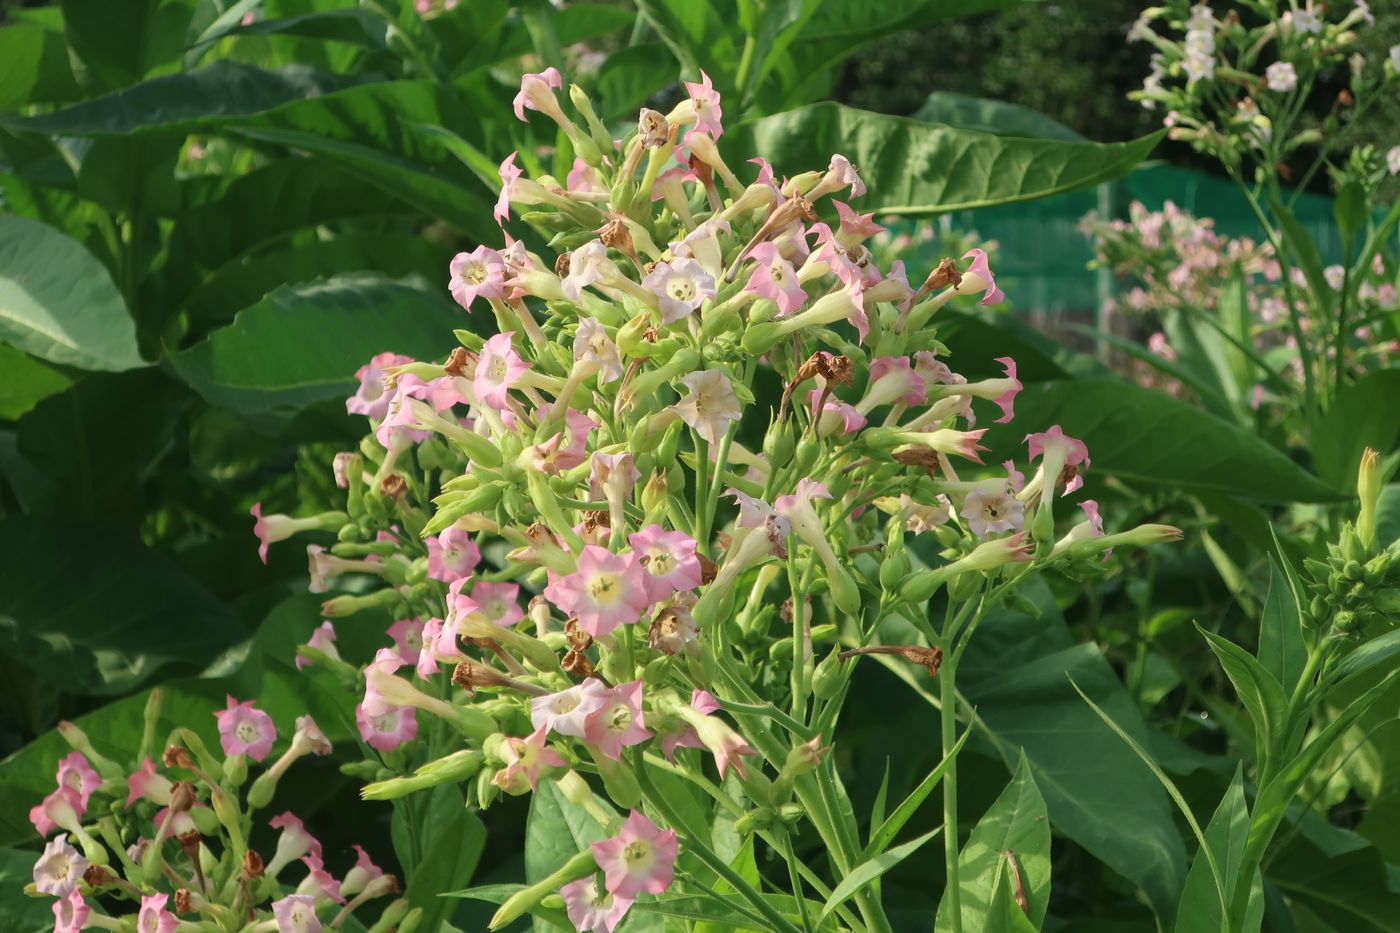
x=947 y=715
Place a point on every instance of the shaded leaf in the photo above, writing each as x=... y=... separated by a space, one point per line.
x=1226 y=834
x=1363 y=415
x=991 y=116
x=260 y=363
x=119 y=620
x=1282 y=651
x=866 y=872
x=911 y=167
x=57 y=302
x=631 y=76
x=1258 y=690
x=27 y=382
x=121 y=41
x=34 y=68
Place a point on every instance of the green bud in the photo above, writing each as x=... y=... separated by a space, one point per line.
x=806 y=454
x=790 y=813
x=780 y=652
x=619 y=782
x=389 y=919
x=1344 y=621
x=580 y=866
x=827 y=678
x=486 y=790
x=778 y=443
x=1368 y=489
x=753 y=821
x=893 y=569
x=760 y=338
x=1020 y=602
x=666 y=450
x=921 y=585
x=844 y=592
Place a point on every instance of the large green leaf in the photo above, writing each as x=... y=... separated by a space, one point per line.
x=1335 y=874
x=1141 y=435
x=1015 y=826
x=95 y=611
x=303 y=343
x=631 y=76
x=20 y=913
x=991 y=116
x=187 y=101
x=555 y=832
x=1261 y=694
x=1200 y=910
x=911 y=167
x=27 y=382
x=1364 y=415
x=121 y=41
x=57 y=302
x=446 y=853
x=34 y=68
x=1016 y=675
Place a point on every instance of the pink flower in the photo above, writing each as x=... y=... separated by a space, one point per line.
x=146 y=784
x=615 y=720
x=296 y=913
x=708 y=113
x=452 y=555
x=318 y=882
x=835 y=414
x=293 y=842
x=60 y=868
x=498 y=602
x=1002 y=392
x=855 y=226
x=362 y=874
x=979 y=275
x=408 y=639
x=681 y=286
x=589 y=264
x=774 y=278
x=524 y=759
x=534 y=88
x=478 y=274
x=641 y=857
x=892 y=380
x=388 y=728
x=372 y=397
x=70 y=913
x=668 y=557
x=77 y=775
x=1058 y=452
x=509 y=173
x=499 y=368
x=842 y=173
x=323 y=640
x=565 y=712
x=153 y=917
x=607 y=590
x=613 y=475
x=590 y=908
x=245 y=730
x=568 y=448
x=583 y=179
x=711 y=404
x=724 y=743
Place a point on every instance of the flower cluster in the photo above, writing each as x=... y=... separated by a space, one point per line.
x=1235 y=85
x=163 y=847
x=615 y=533
x=1175 y=263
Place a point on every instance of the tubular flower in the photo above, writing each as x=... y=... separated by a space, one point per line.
x=60 y=868
x=153 y=917
x=388 y=727
x=566 y=712
x=524 y=759
x=537 y=93
x=680 y=286
x=978 y=277
x=592 y=345
x=70 y=913
x=892 y=380
x=497 y=602
x=292 y=844
x=836 y=417
x=75 y=774
x=146 y=784
x=478 y=274
x=323 y=640
x=711 y=404
x=499 y=368
x=358 y=877
x=296 y=913
x=452 y=555
x=640 y=858
x=705 y=105
x=774 y=278
x=1061 y=458
x=372 y=397
x=591 y=907
x=616 y=721
x=668 y=557
x=991 y=511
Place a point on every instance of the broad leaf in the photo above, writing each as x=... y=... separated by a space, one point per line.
x=1363 y=415
x=260 y=363
x=27 y=382
x=34 y=68
x=555 y=832
x=631 y=76
x=1137 y=434
x=57 y=302
x=991 y=116
x=1014 y=827
x=1200 y=910
x=911 y=167
x=1339 y=877
x=500 y=893
x=1373 y=652
x=449 y=844
x=102 y=626
x=20 y=913
x=121 y=41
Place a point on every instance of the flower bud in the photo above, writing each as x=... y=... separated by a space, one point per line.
x=827 y=678
x=1368 y=489
x=520 y=903
x=753 y=821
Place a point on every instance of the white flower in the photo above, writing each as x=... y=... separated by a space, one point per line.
x=1281 y=77
x=711 y=404
x=60 y=868
x=1392 y=160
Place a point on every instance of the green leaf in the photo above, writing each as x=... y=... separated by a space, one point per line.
x=57 y=302
x=303 y=343
x=1014 y=676
x=185 y=102
x=866 y=872
x=1339 y=877
x=20 y=913
x=71 y=436
x=889 y=828
x=1362 y=416
x=911 y=167
x=451 y=841
x=991 y=116
x=1137 y=434
x=631 y=76
x=1258 y=690
x=118 y=621
x=1350 y=210
x=27 y=382
x=34 y=68
x=1304 y=250
x=1373 y=652
x=1004 y=915
x=115 y=729
x=1282 y=651
x=121 y=41
x=1226 y=835
x=555 y=831
x=707 y=910
x=1015 y=823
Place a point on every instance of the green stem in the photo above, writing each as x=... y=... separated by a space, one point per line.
x=796 y=880
x=947 y=716
x=746 y=60
x=799 y=661
x=703 y=852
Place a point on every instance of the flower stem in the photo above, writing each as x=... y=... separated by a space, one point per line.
x=948 y=725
